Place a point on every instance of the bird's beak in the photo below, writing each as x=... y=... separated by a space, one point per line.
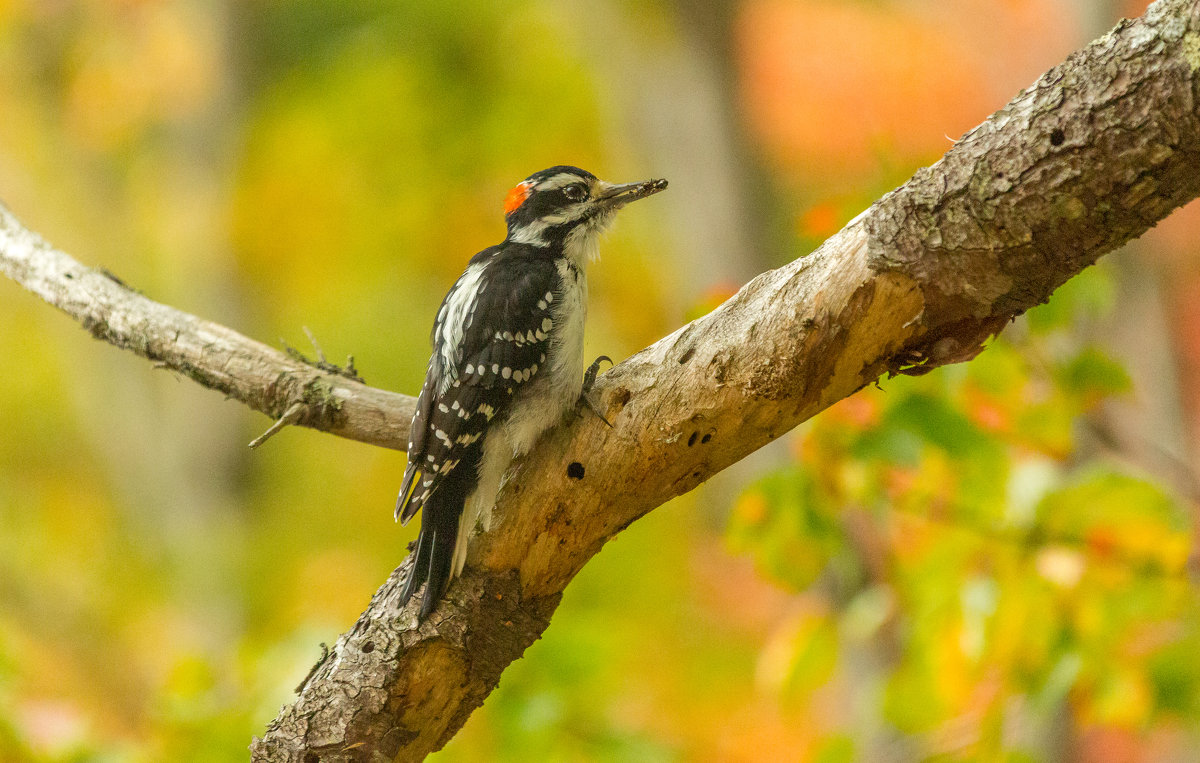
x=620 y=195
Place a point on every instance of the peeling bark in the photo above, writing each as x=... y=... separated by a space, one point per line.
x=1095 y=152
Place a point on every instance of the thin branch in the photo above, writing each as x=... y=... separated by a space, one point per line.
x=210 y=354
x=292 y=415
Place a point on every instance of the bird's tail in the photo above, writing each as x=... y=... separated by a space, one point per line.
x=435 y=551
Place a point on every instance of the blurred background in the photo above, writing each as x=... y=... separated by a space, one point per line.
x=992 y=562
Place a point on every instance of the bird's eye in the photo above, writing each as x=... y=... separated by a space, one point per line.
x=575 y=192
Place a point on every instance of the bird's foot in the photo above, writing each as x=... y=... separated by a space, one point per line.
x=585 y=398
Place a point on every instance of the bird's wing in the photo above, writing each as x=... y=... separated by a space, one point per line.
x=501 y=346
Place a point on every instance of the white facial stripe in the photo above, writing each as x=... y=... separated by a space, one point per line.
x=559 y=180
x=532 y=233
x=571 y=213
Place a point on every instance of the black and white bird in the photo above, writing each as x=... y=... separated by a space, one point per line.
x=507 y=362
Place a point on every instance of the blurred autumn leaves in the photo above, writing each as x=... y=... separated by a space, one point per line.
x=951 y=526
x=964 y=564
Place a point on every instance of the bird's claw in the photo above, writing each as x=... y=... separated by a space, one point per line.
x=589 y=377
x=585 y=399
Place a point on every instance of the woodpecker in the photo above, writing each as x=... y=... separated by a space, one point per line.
x=507 y=362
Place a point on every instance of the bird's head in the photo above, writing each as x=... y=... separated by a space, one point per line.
x=568 y=206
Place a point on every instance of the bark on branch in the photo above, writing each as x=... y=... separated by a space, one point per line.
x=1096 y=151
x=208 y=353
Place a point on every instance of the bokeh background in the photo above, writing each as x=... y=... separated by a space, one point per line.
x=993 y=562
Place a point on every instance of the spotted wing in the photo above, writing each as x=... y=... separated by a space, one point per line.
x=503 y=342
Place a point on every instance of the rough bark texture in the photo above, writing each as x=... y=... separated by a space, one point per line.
x=1096 y=151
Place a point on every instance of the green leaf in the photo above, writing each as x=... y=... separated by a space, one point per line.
x=1086 y=296
x=938 y=422
x=1092 y=374
x=1102 y=496
x=788 y=525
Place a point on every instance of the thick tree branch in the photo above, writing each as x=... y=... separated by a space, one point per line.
x=1099 y=149
x=210 y=354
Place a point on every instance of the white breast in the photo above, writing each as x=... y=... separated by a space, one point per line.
x=569 y=313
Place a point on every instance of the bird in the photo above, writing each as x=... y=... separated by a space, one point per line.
x=506 y=365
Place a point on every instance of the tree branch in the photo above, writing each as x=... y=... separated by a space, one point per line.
x=208 y=353
x=1096 y=151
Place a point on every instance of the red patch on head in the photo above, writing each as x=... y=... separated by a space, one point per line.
x=516 y=197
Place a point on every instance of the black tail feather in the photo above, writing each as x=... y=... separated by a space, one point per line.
x=434 y=554
x=419 y=570
x=440 y=512
x=439 y=569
